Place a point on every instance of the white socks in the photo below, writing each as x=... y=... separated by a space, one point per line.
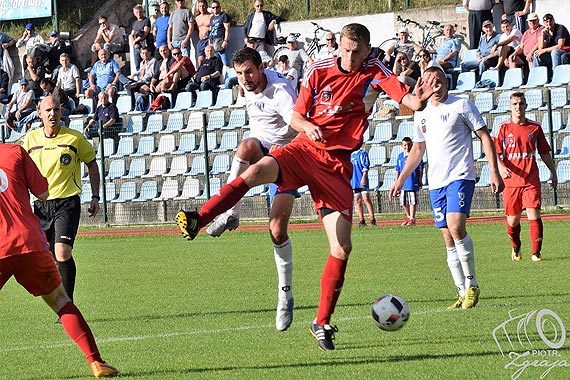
x=283 y=254
x=238 y=167
x=466 y=255
x=456 y=271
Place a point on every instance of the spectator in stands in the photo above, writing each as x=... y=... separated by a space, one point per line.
x=516 y=12
x=407 y=71
x=447 y=54
x=109 y=37
x=108 y=114
x=4 y=83
x=265 y=58
x=30 y=38
x=23 y=100
x=34 y=73
x=508 y=42
x=181 y=71
x=104 y=76
x=486 y=52
x=260 y=25
x=68 y=78
x=153 y=12
x=5 y=42
x=404 y=44
x=523 y=55
x=550 y=48
x=141 y=35
x=220 y=33
x=57 y=46
x=164 y=65
x=143 y=77
x=288 y=72
x=297 y=56
x=203 y=25
x=160 y=29
x=424 y=60
x=48 y=88
x=208 y=75
x=479 y=12
x=331 y=48
x=180 y=28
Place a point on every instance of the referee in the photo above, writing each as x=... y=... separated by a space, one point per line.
x=58 y=152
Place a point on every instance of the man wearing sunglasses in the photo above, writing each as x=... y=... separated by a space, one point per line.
x=261 y=26
x=331 y=49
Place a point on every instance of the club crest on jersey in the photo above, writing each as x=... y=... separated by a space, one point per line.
x=65 y=159
x=423 y=125
x=444 y=117
x=260 y=106
x=326 y=95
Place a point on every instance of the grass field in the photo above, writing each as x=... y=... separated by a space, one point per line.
x=164 y=308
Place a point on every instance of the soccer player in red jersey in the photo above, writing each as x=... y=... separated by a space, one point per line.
x=335 y=100
x=25 y=254
x=516 y=142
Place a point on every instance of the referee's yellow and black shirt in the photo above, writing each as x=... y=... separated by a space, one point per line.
x=59 y=159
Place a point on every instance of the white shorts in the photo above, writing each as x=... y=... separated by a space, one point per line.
x=408 y=198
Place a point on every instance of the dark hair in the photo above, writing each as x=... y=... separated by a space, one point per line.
x=247 y=54
x=47 y=81
x=144 y=48
x=548 y=16
x=283 y=58
x=406 y=139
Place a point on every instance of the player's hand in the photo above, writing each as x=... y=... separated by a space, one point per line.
x=554 y=180
x=273 y=148
x=497 y=184
x=314 y=133
x=93 y=208
x=505 y=172
x=425 y=87
x=395 y=190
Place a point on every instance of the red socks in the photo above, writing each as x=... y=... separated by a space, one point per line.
x=229 y=195
x=78 y=330
x=536 y=234
x=514 y=233
x=331 y=286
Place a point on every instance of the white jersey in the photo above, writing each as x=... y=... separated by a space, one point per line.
x=447 y=131
x=271 y=110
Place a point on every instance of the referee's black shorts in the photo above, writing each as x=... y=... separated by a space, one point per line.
x=59 y=219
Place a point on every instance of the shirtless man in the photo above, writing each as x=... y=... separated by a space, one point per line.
x=203 y=25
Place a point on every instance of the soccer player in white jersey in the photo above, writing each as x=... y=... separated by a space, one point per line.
x=444 y=128
x=270 y=100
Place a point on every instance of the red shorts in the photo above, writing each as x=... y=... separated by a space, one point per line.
x=517 y=199
x=326 y=172
x=35 y=271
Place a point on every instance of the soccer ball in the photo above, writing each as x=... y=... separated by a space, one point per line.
x=390 y=312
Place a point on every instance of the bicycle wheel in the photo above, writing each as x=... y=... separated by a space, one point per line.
x=388 y=43
x=278 y=53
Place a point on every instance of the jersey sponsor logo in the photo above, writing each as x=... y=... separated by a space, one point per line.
x=64 y=237
x=65 y=159
x=423 y=125
x=520 y=155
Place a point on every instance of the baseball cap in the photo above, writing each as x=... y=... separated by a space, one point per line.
x=29 y=26
x=404 y=30
x=54 y=33
x=487 y=22
x=153 y=3
x=291 y=38
x=532 y=16
x=23 y=81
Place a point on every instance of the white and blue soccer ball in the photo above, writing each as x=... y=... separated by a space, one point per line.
x=390 y=312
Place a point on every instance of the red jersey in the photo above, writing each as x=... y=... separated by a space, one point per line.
x=19 y=228
x=518 y=144
x=340 y=102
x=188 y=65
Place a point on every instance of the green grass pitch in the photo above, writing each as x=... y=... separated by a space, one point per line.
x=164 y=308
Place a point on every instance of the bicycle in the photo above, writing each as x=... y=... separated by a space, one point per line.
x=314 y=46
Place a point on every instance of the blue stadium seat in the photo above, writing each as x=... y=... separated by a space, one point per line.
x=484 y=177
x=228 y=142
x=484 y=102
x=469 y=55
x=565 y=147
x=86 y=193
x=77 y=125
x=537 y=77
x=137 y=168
x=127 y=193
x=492 y=75
x=110 y=191
x=117 y=169
x=256 y=191
x=154 y=124
x=145 y=147
x=198 y=166
x=178 y=166
x=394 y=153
x=558 y=97
x=377 y=155
x=216 y=120
x=513 y=79
x=190 y=189
x=503 y=102
x=123 y=104
x=382 y=133
x=175 y=123
x=183 y=101
x=157 y=167
x=135 y=126
x=563 y=171
x=405 y=129
x=166 y=145
x=169 y=190
x=225 y=99
x=204 y=99
x=465 y=82
x=126 y=147
x=477 y=149
x=221 y=164
x=237 y=119
x=543 y=172
x=149 y=191
x=560 y=76
x=212 y=143
x=389 y=179
x=373 y=179
x=88 y=103
x=108 y=146
x=196 y=122
x=556 y=122
x=215 y=186
x=186 y=144
x=534 y=99
x=497 y=122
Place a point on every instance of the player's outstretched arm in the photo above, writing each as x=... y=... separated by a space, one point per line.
x=423 y=91
x=497 y=184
